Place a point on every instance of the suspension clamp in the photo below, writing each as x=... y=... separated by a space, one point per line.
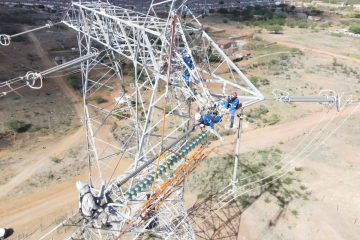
x=5 y=40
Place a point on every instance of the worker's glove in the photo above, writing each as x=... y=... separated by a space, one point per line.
x=202 y=125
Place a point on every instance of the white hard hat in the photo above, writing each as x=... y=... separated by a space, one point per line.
x=2 y=232
x=197 y=116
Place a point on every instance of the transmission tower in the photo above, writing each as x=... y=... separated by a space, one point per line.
x=178 y=70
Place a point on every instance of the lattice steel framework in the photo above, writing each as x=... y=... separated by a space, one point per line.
x=146 y=119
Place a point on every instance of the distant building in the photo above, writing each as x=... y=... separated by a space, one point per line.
x=228 y=46
x=225 y=44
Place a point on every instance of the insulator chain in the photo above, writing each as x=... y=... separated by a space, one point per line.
x=327 y=98
x=5 y=40
x=31 y=79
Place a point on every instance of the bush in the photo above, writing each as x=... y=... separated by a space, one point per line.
x=275 y=29
x=355 y=28
x=273 y=119
x=225 y=20
x=214 y=58
x=254 y=80
x=223 y=11
x=265 y=81
x=291 y=24
x=99 y=99
x=17 y=126
x=75 y=82
x=258 y=112
x=303 y=25
x=281 y=15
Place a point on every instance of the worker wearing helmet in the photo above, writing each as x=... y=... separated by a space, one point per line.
x=87 y=204
x=189 y=65
x=232 y=103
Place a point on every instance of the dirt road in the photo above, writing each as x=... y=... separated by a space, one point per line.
x=39 y=159
x=292 y=42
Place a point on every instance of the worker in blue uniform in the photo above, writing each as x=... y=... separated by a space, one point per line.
x=189 y=65
x=232 y=103
x=208 y=120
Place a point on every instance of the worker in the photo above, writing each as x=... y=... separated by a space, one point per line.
x=87 y=203
x=232 y=103
x=208 y=120
x=189 y=65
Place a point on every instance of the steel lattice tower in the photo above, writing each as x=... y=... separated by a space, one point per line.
x=148 y=119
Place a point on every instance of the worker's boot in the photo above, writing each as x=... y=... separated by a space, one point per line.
x=231 y=125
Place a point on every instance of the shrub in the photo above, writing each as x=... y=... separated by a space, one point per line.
x=75 y=82
x=281 y=15
x=16 y=125
x=99 y=99
x=265 y=81
x=273 y=119
x=275 y=29
x=214 y=58
x=303 y=25
x=120 y=113
x=56 y=159
x=223 y=10
x=258 y=112
x=291 y=24
x=254 y=80
x=225 y=20
x=355 y=28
